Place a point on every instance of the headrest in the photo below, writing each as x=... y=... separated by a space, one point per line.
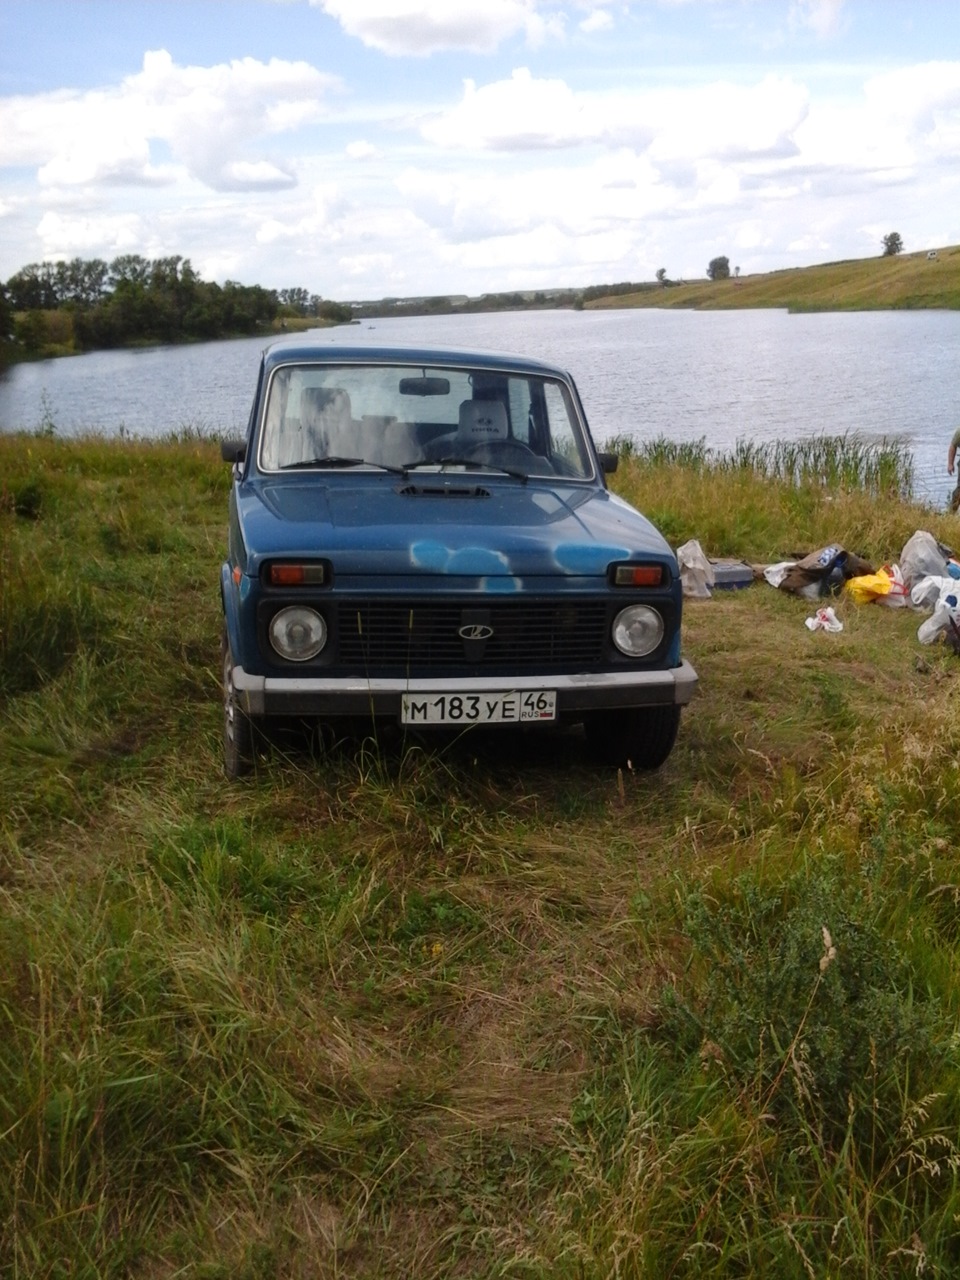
x=482 y=420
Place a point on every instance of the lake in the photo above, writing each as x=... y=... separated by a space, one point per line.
x=685 y=375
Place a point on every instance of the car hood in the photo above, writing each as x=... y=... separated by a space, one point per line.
x=375 y=525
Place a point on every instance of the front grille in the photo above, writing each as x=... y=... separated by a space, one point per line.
x=424 y=637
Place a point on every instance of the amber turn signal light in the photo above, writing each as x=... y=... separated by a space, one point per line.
x=296 y=575
x=638 y=575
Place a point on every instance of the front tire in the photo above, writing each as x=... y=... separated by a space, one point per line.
x=637 y=737
x=239 y=748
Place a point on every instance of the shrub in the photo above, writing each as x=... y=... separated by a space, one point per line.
x=806 y=1006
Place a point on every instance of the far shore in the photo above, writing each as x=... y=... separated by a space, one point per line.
x=923 y=281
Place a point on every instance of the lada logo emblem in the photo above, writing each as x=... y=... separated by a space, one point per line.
x=475 y=631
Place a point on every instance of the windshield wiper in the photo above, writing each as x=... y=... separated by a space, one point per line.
x=466 y=462
x=334 y=461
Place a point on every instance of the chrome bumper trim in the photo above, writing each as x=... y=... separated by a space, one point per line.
x=319 y=695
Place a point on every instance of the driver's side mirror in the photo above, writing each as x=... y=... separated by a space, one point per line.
x=608 y=463
x=233 y=450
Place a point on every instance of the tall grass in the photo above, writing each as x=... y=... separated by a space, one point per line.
x=878 y=468
x=768 y=502
x=692 y=455
x=481 y=1008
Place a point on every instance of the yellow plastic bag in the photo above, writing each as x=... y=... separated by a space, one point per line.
x=868 y=587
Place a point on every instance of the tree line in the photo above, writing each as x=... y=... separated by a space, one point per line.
x=90 y=304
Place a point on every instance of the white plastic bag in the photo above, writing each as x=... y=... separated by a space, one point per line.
x=922 y=556
x=943 y=621
x=931 y=590
x=696 y=571
x=898 y=594
x=824 y=620
x=775 y=573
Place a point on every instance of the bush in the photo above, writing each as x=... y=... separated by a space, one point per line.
x=806 y=1005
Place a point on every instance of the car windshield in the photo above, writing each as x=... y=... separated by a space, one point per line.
x=425 y=417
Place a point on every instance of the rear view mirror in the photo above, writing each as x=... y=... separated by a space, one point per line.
x=424 y=386
x=233 y=450
x=608 y=463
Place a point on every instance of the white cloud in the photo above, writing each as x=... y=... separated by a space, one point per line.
x=598 y=20
x=515 y=114
x=906 y=121
x=721 y=120
x=110 y=161
x=472 y=207
x=366 y=266
x=207 y=118
x=823 y=17
x=726 y=121
x=921 y=101
x=361 y=150
x=80 y=235
x=418 y=28
x=317 y=217
x=254 y=175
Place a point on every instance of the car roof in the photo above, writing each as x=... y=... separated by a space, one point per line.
x=294 y=350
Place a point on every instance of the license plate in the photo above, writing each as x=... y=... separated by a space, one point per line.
x=479 y=708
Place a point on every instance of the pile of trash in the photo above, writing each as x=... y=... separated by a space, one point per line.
x=926 y=577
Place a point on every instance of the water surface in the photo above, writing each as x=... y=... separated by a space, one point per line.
x=722 y=376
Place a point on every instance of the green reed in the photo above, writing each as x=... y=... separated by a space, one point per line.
x=881 y=467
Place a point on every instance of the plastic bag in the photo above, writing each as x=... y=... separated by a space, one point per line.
x=930 y=592
x=824 y=620
x=943 y=621
x=696 y=571
x=923 y=556
x=775 y=573
x=897 y=596
x=886 y=586
x=869 y=586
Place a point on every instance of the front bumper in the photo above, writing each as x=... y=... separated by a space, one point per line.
x=576 y=694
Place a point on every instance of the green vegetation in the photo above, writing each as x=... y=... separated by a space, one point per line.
x=891 y=281
x=458 y=304
x=58 y=308
x=718 y=269
x=876 y=468
x=487 y=1009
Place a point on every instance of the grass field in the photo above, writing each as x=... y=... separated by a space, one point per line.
x=904 y=281
x=488 y=1010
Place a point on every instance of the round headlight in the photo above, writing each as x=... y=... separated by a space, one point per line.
x=637 y=630
x=298 y=633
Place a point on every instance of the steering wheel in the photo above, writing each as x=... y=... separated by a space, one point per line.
x=503 y=453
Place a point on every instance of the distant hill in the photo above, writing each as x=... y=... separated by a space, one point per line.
x=908 y=281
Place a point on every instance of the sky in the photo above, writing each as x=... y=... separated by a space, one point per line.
x=364 y=149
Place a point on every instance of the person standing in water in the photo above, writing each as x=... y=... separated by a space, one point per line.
x=951 y=459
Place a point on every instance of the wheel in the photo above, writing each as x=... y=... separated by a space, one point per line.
x=641 y=737
x=239 y=753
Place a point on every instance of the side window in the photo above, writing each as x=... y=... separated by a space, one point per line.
x=565 y=445
x=274 y=451
x=520 y=410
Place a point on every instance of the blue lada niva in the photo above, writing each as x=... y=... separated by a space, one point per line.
x=426 y=537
